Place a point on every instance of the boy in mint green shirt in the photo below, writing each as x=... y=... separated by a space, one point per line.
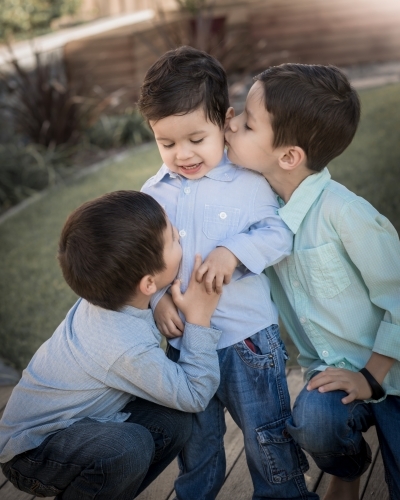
x=339 y=292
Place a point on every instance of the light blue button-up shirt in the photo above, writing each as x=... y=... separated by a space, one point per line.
x=342 y=281
x=94 y=364
x=237 y=209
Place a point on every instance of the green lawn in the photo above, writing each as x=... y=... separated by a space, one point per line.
x=34 y=298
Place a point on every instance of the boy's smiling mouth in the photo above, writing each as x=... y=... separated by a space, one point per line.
x=194 y=168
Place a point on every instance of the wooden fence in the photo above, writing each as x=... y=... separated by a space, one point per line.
x=257 y=34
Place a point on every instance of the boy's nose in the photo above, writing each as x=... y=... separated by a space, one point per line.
x=183 y=154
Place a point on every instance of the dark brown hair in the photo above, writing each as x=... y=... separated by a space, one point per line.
x=313 y=107
x=181 y=81
x=108 y=244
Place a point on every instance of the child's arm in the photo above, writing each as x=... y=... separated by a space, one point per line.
x=188 y=385
x=217 y=269
x=354 y=383
x=266 y=241
x=373 y=246
x=167 y=318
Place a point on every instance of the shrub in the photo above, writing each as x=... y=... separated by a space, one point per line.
x=26 y=169
x=18 y=16
x=41 y=105
x=119 y=130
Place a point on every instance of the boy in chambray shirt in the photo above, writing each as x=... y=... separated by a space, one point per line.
x=100 y=411
x=339 y=291
x=228 y=215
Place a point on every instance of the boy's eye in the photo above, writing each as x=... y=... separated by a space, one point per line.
x=167 y=146
x=197 y=142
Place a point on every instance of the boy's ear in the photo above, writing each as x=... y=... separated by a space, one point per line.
x=292 y=157
x=147 y=285
x=229 y=115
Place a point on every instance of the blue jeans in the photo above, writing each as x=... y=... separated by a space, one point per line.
x=254 y=390
x=103 y=460
x=331 y=432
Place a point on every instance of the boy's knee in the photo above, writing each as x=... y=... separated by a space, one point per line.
x=182 y=428
x=318 y=420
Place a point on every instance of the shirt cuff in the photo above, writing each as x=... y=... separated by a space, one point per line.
x=387 y=340
x=248 y=255
x=193 y=337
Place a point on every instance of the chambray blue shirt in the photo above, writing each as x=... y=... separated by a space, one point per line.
x=342 y=281
x=94 y=364
x=237 y=209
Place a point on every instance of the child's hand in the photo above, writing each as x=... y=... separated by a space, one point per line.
x=338 y=379
x=167 y=318
x=218 y=268
x=196 y=303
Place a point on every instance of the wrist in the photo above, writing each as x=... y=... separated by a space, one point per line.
x=378 y=391
x=197 y=319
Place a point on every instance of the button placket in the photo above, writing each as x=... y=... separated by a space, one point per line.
x=184 y=214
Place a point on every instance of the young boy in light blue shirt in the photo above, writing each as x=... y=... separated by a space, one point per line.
x=228 y=215
x=339 y=291
x=100 y=410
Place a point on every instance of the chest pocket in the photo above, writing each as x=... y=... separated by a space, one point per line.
x=323 y=270
x=220 y=221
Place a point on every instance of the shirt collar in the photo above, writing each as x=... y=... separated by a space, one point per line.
x=145 y=314
x=302 y=199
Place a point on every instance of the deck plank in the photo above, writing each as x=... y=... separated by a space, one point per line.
x=8 y=492
x=376 y=486
x=238 y=484
x=372 y=440
x=163 y=486
x=3 y=479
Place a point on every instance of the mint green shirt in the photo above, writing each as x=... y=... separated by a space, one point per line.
x=342 y=281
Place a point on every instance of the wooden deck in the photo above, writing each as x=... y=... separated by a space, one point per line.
x=237 y=482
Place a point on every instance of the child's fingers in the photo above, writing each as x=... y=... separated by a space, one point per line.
x=227 y=279
x=349 y=398
x=173 y=331
x=197 y=262
x=176 y=293
x=219 y=281
x=209 y=282
x=200 y=272
x=177 y=322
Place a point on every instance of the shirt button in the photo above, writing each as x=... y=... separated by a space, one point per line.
x=325 y=354
x=186 y=190
x=182 y=233
x=342 y=364
x=223 y=215
x=296 y=284
x=303 y=320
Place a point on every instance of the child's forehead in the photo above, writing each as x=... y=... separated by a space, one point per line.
x=256 y=93
x=255 y=107
x=190 y=123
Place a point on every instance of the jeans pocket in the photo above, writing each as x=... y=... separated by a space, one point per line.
x=281 y=456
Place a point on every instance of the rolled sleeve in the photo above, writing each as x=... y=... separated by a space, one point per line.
x=187 y=385
x=268 y=240
x=375 y=251
x=262 y=246
x=387 y=340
